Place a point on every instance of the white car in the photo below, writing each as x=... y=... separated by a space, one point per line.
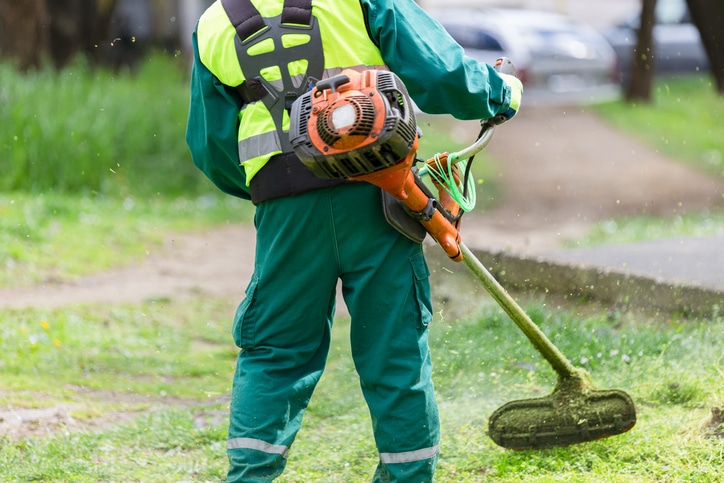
x=559 y=60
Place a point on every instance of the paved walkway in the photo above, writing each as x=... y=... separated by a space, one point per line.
x=684 y=275
x=694 y=261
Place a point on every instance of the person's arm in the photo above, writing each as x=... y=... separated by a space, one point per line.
x=438 y=75
x=212 y=129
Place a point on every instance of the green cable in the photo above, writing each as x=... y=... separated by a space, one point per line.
x=444 y=176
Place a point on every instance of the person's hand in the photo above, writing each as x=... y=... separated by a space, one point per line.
x=516 y=94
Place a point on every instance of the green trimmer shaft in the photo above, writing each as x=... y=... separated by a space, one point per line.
x=573 y=413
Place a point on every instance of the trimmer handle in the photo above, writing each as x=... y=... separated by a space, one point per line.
x=505 y=66
x=332 y=83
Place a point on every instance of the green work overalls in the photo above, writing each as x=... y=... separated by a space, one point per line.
x=308 y=242
x=305 y=244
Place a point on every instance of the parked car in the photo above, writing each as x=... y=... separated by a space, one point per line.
x=677 y=46
x=558 y=59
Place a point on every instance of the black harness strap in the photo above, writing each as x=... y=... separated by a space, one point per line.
x=247 y=20
x=297 y=11
x=251 y=28
x=244 y=16
x=285 y=175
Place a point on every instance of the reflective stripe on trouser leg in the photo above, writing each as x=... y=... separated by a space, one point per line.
x=283 y=327
x=410 y=456
x=259 y=445
x=386 y=287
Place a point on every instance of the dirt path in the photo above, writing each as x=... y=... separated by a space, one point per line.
x=185 y=264
x=563 y=170
x=560 y=171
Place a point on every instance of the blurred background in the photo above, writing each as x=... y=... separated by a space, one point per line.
x=77 y=52
x=562 y=45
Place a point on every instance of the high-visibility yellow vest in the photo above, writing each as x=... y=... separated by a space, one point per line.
x=345 y=44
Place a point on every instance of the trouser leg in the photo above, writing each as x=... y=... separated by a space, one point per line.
x=386 y=287
x=283 y=327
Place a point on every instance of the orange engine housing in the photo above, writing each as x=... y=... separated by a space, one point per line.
x=353 y=124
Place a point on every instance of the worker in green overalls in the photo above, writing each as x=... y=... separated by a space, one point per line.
x=252 y=58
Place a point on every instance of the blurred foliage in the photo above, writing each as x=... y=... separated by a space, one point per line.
x=641 y=228
x=93 y=130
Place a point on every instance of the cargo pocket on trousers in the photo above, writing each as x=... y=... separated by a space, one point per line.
x=245 y=319
x=421 y=274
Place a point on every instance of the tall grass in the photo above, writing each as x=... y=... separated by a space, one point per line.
x=92 y=130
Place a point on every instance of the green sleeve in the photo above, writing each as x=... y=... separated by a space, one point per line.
x=212 y=129
x=438 y=75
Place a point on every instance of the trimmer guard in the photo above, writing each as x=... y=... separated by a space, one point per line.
x=572 y=414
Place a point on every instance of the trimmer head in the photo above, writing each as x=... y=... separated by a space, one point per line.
x=572 y=414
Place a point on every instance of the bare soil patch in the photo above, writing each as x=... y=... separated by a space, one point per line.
x=87 y=414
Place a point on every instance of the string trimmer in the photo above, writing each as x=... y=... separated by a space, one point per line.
x=361 y=126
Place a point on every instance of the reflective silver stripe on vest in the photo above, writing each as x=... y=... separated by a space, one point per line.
x=278 y=85
x=259 y=445
x=410 y=456
x=297 y=80
x=260 y=144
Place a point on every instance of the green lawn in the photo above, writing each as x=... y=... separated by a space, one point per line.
x=169 y=365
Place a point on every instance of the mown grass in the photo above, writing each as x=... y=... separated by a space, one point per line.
x=150 y=350
x=176 y=358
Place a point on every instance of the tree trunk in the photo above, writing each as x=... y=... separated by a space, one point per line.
x=642 y=71
x=708 y=16
x=23 y=31
x=78 y=27
x=59 y=29
x=71 y=28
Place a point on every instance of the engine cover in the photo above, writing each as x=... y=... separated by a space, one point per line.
x=353 y=124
